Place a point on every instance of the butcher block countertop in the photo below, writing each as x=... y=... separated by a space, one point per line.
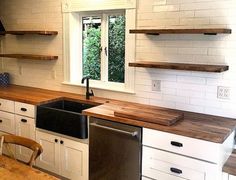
x=200 y=126
x=230 y=165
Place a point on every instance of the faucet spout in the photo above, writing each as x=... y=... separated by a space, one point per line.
x=88 y=94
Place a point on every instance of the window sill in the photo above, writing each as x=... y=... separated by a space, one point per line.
x=102 y=86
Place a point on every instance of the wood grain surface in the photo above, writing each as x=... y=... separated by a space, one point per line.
x=13 y=170
x=30 y=56
x=38 y=32
x=152 y=115
x=181 y=66
x=201 y=126
x=230 y=165
x=211 y=31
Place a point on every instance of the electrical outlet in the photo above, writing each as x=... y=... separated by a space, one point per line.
x=223 y=92
x=156 y=85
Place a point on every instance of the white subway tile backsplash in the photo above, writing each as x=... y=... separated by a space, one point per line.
x=185 y=90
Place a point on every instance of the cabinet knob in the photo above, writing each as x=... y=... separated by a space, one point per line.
x=56 y=140
x=0 y=104
x=62 y=142
x=0 y=121
x=177 y=144
x=175 y=170
x=23 y=120
x=23 y=109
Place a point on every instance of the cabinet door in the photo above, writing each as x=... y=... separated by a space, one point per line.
x=74 y=159
x=7 y=122
x=24 y=127
x=49 y=159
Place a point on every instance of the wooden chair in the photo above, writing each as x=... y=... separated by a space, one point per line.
x=18 y=140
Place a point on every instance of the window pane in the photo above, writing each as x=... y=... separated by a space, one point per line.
x=116 y=48
x=91 y=47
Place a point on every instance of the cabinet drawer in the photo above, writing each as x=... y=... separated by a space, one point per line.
x=164 y=176
x=156 y=162
x=25 y=109
x=7 y=122
x=7 y=105
x=182 y=145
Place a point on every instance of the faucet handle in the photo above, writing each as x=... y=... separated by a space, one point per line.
x=91 y=94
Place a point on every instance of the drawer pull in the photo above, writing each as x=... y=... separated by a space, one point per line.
x=0 y=121
x=174 y=143
x=23 y=120
x=23 y=109
x=175 y=170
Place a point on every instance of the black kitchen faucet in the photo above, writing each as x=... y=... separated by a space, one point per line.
x=88 y=94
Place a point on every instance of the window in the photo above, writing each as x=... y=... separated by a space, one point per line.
x=98 y=43
x=104 y=47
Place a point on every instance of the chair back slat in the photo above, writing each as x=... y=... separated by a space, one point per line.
x=25 y=142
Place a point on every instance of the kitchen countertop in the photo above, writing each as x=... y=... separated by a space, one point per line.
x=205 y=127
x=230 y=165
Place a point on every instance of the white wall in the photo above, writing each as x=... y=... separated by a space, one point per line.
x=191 y=91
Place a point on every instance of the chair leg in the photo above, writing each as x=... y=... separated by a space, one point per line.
x=1 y=144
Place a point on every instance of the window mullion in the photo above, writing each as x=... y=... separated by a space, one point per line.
x=104 y=42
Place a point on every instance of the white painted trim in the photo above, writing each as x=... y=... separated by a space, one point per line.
x=73 y=52
x=110 y=86
x=96 y=5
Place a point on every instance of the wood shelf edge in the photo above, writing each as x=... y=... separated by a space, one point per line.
x=30 y=56
x=205 y=31
x=38 y=32
x=181 y=66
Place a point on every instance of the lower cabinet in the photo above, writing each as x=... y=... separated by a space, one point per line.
x=63 y=156
x=231 y=177
x=227 y=176
x=25 y=127
x=163 y=165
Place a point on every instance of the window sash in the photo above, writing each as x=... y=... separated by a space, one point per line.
x=71 y=28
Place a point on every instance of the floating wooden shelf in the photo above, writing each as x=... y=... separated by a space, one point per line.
x=30 y=56
x=181 y=66
x=213 y=31
x=47 y=33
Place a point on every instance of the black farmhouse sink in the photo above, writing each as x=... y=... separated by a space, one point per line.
x=63 y=117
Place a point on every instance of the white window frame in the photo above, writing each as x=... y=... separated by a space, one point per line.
x=72 y=26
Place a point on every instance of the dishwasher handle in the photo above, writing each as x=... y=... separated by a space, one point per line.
x=133 y=134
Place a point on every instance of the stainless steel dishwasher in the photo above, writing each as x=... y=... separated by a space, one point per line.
x=114 y=151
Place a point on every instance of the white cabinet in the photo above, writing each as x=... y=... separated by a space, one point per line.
x=12 y=123
x=25 y=127
x=49 y=159
x=63 y=156
x=6 y=105
x=25 y=109
x=7 y=122
x=169 y=156
x=231 y=177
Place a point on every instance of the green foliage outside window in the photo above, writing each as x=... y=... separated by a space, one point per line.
x=116 y=50
x=91 y=53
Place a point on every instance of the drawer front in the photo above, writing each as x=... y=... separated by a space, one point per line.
x=164 y=176
x=7 y=122
x=25 y=109
x=7 y=105
x=156 y=161
x=182 y=145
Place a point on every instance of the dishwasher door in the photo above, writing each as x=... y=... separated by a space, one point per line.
x=114 y=151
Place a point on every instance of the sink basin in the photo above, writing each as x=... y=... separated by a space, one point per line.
x=64 y=117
